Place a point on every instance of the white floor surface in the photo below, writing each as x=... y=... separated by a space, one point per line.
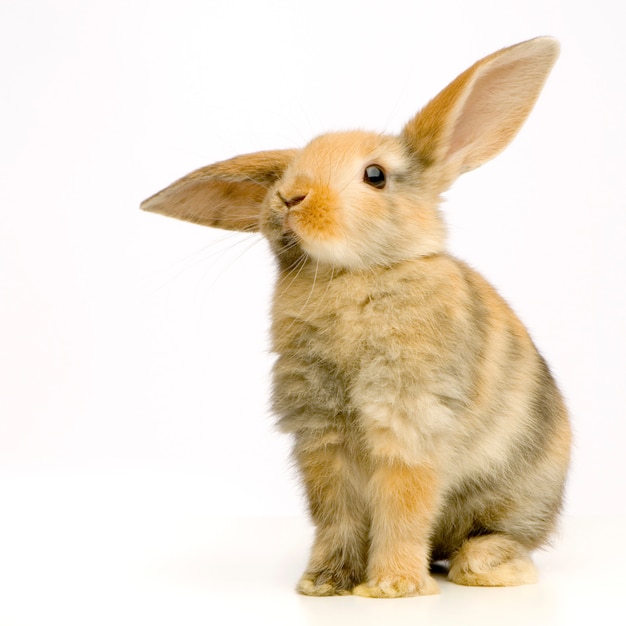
x=119 y=548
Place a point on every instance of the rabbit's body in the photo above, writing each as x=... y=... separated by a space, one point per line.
x=426 y=425
x=418 y=365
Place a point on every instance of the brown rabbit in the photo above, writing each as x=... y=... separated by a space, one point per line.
x=426 y=425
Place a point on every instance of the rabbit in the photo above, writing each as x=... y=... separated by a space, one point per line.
x=426 y=426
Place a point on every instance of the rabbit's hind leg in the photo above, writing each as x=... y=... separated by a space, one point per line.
x=494 y=560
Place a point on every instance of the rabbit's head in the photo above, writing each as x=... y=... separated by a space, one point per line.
x=353 y=200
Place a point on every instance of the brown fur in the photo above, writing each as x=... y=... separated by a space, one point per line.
x=426 y=425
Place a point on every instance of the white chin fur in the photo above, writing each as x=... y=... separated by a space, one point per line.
x=385 y=249
x=336 y=252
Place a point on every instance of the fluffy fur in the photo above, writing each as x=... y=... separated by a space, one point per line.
x=426 y=425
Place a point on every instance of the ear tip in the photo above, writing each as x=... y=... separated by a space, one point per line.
x=547 y=44
x=551 y=43
x=149 y=204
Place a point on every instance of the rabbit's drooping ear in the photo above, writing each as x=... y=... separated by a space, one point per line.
x=228 y=194
x=480 y=112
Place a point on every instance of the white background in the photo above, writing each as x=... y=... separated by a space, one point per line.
x=131 y=344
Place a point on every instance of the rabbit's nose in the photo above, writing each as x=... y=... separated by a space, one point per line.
x=293 y=201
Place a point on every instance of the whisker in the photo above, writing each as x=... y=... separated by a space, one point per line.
x=255 y=241
x=328 y=283
x=209 y=253
x=299 y=265
x=296 y=317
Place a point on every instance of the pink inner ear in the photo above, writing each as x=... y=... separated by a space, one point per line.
x=480 y=114
x=472 y=119
x=495 y=109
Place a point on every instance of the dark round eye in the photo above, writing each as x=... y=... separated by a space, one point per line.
x=375 y=176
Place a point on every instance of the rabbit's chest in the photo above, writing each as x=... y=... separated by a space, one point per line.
x=341 y=343
x=396 y=314
x=380 y=351
x=346 y=327
x=356 y=374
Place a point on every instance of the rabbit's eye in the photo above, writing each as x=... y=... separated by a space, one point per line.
x=375 y=176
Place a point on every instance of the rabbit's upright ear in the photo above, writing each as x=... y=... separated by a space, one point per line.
x=228 y=194
x=480 y=112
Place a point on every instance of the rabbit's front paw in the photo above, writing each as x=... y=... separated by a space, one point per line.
x=397 y=587
x=327 y=583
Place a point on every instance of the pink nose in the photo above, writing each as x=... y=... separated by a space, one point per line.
x=291 y=202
